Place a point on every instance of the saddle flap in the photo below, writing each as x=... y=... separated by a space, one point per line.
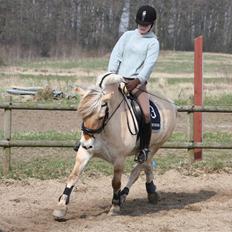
x=154 y=112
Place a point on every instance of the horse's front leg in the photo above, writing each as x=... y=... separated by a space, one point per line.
x=116 y=184
x=82 y=159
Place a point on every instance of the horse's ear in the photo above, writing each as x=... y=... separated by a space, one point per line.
x=107 y=96
x=80 y=91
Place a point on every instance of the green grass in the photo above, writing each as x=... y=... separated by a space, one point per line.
x=182 y=102
x=222 y=137
x=183 y=62
x=83 y=63
x=209 y=80
x=168 y=62
x=222 y=100
x=174 y=67
x=41 y=168
x=217 y=67
x=65 y=78
x=60 y=166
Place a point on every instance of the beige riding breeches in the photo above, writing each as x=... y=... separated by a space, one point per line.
x=140 y=92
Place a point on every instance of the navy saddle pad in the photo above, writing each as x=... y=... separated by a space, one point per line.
x=155 y=116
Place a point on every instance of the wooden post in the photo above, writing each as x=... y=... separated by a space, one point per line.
x=198 y=83
x=7 y=136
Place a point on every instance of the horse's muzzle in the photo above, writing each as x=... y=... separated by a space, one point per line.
x=87 y=144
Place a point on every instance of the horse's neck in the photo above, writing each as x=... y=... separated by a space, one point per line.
x=117 y=96
x=118 y=125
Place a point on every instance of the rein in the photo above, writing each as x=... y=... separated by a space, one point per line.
x=154 y=95
x=128 y=125
x=107 y=118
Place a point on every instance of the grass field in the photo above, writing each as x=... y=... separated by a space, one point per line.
x=57 y=163
x=173 y=76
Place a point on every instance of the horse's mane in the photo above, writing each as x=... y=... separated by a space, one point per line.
x=90 y=102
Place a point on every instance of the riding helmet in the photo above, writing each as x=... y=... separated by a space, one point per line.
x=146 y=15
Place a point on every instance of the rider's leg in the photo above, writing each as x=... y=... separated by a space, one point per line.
x=145 y=137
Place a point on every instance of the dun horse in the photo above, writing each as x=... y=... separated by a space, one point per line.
x=107 y=132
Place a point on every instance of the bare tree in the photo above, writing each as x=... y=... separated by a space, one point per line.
x=59 y=27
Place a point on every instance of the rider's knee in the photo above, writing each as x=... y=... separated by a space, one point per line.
x=147 y=118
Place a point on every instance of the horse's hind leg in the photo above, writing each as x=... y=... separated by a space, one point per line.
x=150 y=186
x=82 y=159
x=131 y=180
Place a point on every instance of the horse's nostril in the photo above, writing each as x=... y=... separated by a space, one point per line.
x=87 y=147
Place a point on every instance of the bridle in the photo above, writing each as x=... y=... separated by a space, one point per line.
x=107 y=117
x=90 y=131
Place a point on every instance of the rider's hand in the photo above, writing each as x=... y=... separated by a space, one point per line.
x=131 y=85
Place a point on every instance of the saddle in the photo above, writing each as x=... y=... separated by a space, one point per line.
x=154 y=112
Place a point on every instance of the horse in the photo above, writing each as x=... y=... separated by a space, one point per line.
x=108 y=133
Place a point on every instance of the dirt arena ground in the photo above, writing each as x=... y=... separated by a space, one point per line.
x=186 y=203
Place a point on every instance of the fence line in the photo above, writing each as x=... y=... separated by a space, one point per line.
x=7 y=142
x=53 y=107
x=70 y=143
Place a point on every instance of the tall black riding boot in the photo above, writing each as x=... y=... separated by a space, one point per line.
x=145 y=138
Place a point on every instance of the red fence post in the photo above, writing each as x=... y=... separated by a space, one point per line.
x=198 y=83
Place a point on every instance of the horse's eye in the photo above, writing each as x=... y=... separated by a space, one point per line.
x=100 y=118
x=103 y=105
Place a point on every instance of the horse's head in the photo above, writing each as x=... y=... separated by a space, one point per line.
x=93 y=109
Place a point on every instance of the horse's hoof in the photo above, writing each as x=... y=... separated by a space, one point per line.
x=114 y=210
x=153 y=198
x=123 y=198
x=60 y=213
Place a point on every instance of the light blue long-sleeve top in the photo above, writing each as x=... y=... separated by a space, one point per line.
x=135 y=55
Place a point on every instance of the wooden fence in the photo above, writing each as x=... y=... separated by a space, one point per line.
x=7 y=141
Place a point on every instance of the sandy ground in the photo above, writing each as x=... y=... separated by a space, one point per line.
x=186 y=204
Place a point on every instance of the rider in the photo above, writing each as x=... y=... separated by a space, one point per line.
x=134 y=57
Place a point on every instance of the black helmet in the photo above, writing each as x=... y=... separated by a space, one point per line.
x=146 y=15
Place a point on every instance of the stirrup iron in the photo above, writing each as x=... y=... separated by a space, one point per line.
x=142 y=156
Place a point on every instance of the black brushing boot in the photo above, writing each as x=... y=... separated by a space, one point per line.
x=145 y=138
